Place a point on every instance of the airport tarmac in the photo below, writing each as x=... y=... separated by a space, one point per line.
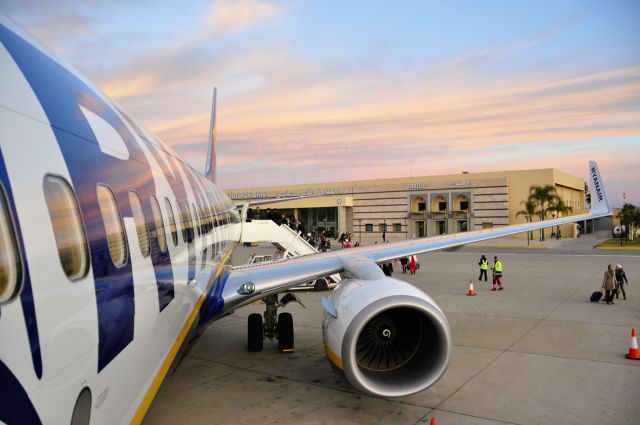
x=536 y=353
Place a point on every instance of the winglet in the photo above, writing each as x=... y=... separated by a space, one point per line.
x=210 y=166
x=599 y=203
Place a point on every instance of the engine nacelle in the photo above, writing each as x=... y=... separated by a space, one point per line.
x=387 y=337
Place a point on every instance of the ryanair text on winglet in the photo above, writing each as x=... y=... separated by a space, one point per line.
x=596 y=183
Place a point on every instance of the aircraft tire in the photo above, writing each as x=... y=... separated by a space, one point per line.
x=255 y=332
x=285 y=332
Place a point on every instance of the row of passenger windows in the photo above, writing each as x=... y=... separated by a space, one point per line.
x=70 y=235
x=193 y=220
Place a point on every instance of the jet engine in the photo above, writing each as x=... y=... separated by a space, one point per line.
x=387 y=338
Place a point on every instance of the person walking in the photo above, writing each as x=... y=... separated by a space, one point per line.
x=404 y=261
x=484 y=266
x=497 y=274
x=412 y=265
x=621 y=279
x=609 y=284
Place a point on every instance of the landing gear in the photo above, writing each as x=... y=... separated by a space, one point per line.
x=285 y=332
x=255 y=332
x=274 y=326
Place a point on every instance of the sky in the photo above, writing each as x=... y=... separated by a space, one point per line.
x=320 y=91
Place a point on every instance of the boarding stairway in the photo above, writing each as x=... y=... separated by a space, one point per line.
x=289 y=241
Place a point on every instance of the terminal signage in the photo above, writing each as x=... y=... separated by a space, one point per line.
x=417 y=186
x=279 y=195
x=247 y=195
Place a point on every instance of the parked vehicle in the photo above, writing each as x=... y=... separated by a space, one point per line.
x=619 y=231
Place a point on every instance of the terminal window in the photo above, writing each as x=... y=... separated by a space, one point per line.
x=464 y=205
x=422 y=206
x=397 y=227
x=442 y=206
x=368 y=227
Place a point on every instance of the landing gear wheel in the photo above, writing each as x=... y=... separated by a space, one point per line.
x=255 y=335
x=320 y=285
x=285 y=332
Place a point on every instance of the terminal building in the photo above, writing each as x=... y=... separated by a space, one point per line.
x=413 y=207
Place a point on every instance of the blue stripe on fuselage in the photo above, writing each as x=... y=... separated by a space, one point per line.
x=61 y=93
x=16 y=407
x=213 y=304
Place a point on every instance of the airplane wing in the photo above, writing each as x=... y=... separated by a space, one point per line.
x=385 y=336
x=277 y=277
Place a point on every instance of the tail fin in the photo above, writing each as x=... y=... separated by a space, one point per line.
x=210 y=169
x=599 y=203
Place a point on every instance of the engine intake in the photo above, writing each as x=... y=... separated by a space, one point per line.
x=396 y=341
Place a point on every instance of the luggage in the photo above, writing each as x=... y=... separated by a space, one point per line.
x=417 y=266
x=595 y=297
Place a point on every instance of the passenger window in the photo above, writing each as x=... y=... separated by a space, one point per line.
x=172 y=221
x=188 y=233
x=159 y=222
x=10 y=265
x=112 y=226
x=181 y=219
x=67 y=227
x=141 y=222
x=196 y=219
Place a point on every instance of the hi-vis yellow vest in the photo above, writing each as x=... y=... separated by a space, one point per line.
x=498 y=267
x=484 y=265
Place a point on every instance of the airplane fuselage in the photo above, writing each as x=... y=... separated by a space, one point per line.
x=118 y=247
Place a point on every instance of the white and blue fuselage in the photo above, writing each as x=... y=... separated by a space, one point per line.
x=114 y=324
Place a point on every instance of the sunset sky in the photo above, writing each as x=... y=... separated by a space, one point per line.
x=314 y=91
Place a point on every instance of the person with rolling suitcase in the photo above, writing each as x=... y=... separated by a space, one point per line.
x=609 y=284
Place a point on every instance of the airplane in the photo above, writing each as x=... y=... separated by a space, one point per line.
x=114 y=257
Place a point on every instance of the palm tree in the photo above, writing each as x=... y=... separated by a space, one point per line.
x=528 y=211
x=543 y=197
x=559 y=207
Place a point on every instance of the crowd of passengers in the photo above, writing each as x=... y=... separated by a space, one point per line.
x=319 y=239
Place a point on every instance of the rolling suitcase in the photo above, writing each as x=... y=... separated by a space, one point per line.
x=596 y=296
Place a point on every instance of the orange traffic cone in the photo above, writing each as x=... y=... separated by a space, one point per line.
x=471 y=291
x=633 y=348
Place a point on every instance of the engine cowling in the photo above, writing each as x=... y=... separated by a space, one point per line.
x=386 y=337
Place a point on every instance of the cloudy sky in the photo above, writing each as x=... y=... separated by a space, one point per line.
x=314 y=91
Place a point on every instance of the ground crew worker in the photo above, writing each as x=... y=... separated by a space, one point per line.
x=497 y=274
x=484 y=265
